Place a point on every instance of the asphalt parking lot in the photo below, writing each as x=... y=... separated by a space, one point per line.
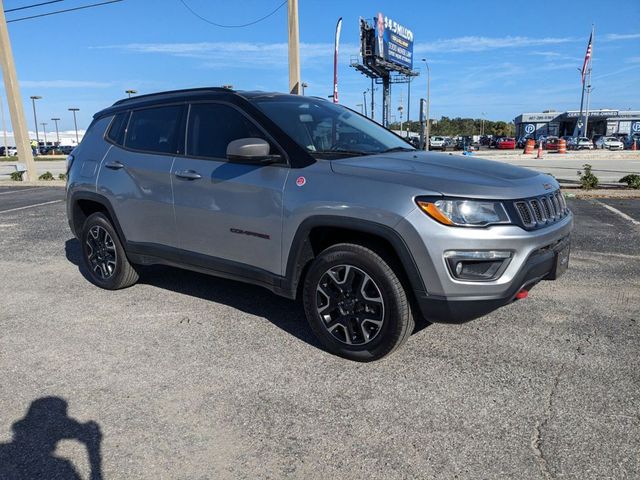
x=188 y=376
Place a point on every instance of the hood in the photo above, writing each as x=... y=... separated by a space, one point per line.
x=449 y=175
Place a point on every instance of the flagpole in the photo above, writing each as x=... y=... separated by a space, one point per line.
x=578 y=132
x=586 y=115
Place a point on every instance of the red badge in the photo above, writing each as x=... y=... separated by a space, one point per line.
x=301 y=181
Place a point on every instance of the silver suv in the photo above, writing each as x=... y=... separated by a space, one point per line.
x=314 y=201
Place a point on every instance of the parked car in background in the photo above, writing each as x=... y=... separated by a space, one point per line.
x=582 y=143
x=11 y=152
x=610 y=143
x=449 y=143
x=467 y=143
x=552 y=144
x=506 y=143
x=437 y=143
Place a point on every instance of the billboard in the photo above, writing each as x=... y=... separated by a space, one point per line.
x=394 y=43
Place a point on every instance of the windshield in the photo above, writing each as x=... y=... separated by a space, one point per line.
x=327 y=130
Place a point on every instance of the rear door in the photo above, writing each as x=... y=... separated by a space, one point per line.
x=136 y=174
x=230 y=212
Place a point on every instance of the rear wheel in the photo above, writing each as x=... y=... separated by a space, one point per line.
x=103 y=254
x=356 y=304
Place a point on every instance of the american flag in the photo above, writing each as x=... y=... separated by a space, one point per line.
x=587 y=58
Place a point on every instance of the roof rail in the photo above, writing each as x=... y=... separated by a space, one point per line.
x=172 y=92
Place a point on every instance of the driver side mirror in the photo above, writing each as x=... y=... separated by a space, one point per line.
x=250 y=150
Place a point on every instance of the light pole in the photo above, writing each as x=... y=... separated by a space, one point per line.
x=44 y=131
x=35 y=120
x=400 y=110
x=361 y=109
x=75 y=122
x=304 y=85
x=56 y=120
x=426 y=142
x=482 y=129
x=364 y=101
x=130 y=92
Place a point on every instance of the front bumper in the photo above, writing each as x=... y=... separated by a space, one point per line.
x=538 y=267
x=443 y=298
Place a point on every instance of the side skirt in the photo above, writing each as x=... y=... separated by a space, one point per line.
x=153 y=254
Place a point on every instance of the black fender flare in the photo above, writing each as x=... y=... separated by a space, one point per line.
x=97 y=198
x=301 y=252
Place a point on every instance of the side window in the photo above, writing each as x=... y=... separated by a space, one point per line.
x=154 y=129
x=118 y=127
x=212 y=126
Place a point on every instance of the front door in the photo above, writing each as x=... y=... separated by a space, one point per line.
x=230 y=212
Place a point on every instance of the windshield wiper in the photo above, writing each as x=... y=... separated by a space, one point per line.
x=399 y=149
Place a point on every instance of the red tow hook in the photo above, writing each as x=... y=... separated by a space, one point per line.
x=522 y=294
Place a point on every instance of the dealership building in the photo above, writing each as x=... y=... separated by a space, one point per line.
x=600 y=122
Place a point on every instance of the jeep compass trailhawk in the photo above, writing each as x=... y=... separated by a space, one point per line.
x=311 y=200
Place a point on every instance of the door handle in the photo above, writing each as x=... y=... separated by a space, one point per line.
x=115 y=165
x=188 y=175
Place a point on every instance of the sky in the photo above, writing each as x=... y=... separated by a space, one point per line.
x=490 y=59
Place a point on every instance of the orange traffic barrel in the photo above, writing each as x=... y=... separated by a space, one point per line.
x=562 y=146
x=528 y=148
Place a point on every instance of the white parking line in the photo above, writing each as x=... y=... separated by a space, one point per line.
x=618 y=212
x=30 y=206
x=28 y=189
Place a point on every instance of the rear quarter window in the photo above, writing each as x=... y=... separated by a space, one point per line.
x=118 y=127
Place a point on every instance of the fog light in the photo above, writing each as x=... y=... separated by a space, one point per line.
x=478 y=265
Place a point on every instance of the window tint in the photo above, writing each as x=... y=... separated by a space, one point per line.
x=212 y=126
x=154 y=129
x=118 y=127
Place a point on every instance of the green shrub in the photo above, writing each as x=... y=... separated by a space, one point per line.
x=62 y=176
x=46 y=176
x=17 y=176
x=587 y=179
x=632 y=180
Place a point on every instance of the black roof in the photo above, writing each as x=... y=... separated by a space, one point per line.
x=189 y=94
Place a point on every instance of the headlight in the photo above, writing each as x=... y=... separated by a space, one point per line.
x=465 y=213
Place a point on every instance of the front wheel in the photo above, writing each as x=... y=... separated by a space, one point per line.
x=103 y=254
x=356 y=304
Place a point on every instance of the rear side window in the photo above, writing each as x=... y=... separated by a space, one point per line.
x=213 y=125
x=118 y=127
x=155 y=129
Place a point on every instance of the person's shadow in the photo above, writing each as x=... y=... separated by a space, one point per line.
x=30 y=455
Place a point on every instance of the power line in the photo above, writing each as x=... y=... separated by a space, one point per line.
x=32 y=6
x=231 y=26
x=63 y=11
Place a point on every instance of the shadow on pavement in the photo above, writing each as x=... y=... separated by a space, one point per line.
x=30 y=455
x=285 y=314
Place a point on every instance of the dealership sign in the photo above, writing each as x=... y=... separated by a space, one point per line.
x=394 y=43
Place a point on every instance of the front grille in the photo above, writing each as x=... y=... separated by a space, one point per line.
x=537 y=212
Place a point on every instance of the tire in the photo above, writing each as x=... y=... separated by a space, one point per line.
x=103 y=255
x=363 y=319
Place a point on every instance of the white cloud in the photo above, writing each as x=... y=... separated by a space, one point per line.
x=611 y=37
x=239 y=54
x=480 y=44
x=633 y=60
x=63 y=84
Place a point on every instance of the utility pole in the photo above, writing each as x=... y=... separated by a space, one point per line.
x=428 y=123
x=130 y=92
x=304 y=85
x=16 y=109
x=294 y=48
x=364 y=102
x=75 y=122
x=56 y=120
x=372 y=100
